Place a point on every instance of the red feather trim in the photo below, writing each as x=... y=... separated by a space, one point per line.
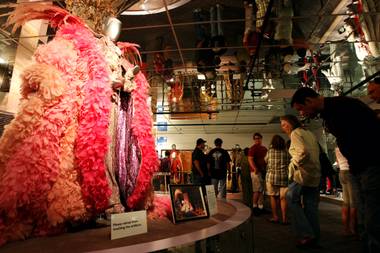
x=130 y=51
x=25 y=12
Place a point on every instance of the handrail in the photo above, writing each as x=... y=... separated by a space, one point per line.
x=361 y=83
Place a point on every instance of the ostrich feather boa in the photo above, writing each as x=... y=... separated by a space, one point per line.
x=34 y=167
x=39 y=186
x=92 y=140
x=142 y=129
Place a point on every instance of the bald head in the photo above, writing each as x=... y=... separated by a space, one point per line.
x=373 y=89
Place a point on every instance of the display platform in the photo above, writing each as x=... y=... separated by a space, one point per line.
x=162 y=234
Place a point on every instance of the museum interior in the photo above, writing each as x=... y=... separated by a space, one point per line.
x=112 y=112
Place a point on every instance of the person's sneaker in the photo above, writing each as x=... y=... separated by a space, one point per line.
x=256 y=211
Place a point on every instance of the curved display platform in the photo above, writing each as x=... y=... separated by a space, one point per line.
x=162 y=234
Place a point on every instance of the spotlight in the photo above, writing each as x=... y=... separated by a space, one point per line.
x=201 y=77
x=341 y=30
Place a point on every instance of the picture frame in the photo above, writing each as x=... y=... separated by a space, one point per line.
x=188 y=202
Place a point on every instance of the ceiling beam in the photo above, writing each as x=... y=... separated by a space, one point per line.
x=338 y=19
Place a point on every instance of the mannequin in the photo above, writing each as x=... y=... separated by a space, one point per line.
x=113 y=57
x=175 y=164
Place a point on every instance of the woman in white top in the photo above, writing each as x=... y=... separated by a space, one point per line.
x=350 y=195
x=304 y=175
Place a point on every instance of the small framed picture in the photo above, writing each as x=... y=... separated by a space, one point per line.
x=188 y=202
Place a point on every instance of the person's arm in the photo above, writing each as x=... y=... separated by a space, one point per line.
x=198 y=167
x=252 y=164
x=266 y=158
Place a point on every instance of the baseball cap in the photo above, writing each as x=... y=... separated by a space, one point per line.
x=200 y=141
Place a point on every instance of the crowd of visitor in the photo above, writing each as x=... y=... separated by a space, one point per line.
x=290 y=173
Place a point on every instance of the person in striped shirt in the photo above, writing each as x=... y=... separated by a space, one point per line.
x=277 y=160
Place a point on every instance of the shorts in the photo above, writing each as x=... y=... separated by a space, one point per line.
x=350 y=189
x=257 y=182
x=276 y=190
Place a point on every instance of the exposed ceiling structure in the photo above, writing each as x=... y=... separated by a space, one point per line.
x=206 y=80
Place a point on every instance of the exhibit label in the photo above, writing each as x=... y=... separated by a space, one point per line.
x=128 y=224
x=211 y=199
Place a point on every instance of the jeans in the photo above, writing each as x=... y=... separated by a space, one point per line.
x=369 y=207
x=197 y=179
x=220 y=187
x=305 y=221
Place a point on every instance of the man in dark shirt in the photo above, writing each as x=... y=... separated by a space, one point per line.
x=165 y=162
x=199 y=164
x=357 y=132
x=218 y=164
x=165 y=167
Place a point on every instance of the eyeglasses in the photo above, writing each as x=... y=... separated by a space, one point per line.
x=257 y=138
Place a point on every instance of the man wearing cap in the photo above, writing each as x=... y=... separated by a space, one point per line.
x=218 y=164
x=373 y=89
x=199 y=164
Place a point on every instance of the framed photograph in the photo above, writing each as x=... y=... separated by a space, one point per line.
x=188 y=202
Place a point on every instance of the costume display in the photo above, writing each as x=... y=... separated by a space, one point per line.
x=176 y=167
x=58 y=163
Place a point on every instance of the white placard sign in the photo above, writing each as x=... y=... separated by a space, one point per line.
x=211 y=200
x=127 y=224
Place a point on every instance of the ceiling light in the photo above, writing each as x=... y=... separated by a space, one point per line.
x=145 y=7
x=341 y=30
x=2 y=60
x=201 y=77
